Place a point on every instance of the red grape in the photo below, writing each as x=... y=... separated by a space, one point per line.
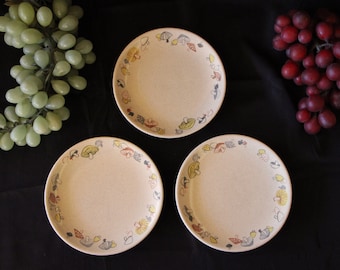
x=301 y=19
x=279 y=44
x=324 y=30
x=297 y=52
x=312 y=126
x=333 y=71
x=310 y=76
x=324 y=83
x=324 y=58
x=315 y=103
x=336 y=49
x=297 y=80
x=303 y=115
x=282 y=20
x=305 y=36
x=277 y=28
x=309 y=61
x=290 y=70
x=338 y=84
x=312 y=90
x=289 y=34
x=326 y=118
x=302 y=103
x=334 y=99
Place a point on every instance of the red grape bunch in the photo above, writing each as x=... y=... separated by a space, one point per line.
x=312 y=45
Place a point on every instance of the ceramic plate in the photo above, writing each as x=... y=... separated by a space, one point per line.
x=169 y=82
x=103 y=196
x=233 y=193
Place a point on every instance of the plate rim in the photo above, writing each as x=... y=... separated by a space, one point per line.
x=183 y=218
x=49 y=214
x=145 y=130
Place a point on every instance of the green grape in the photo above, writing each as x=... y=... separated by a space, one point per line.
x=73 y=57
x=56 y=35
x=60 y=8
x=18 y=133
x=21 y=142
x=41 y=75
x=89 y=58
x=32 y=36
x=66 y=41
x=42 y=58
x=39 y=100
x=61 y=68
x=15 y=95
x=2 y=121
x=13 y=12
x=25 y=109
x=33 y=139
x=44 y=16
x=26 y=12
x=15 y=70
x=40 y=125
x=68 y=23
x=76 y=11
x=77 y=82
x=55 y=101
x=31 y=85
x=10 y=114
x=80 y=65
x=27 y=61
x=63 y=112
x=31 y=48
x=15 y=27
x=84 y=46
x=17 y=42
x=58 y=56
x=23 y=75
x=4 y=20
x=8 y=39
x=6 y=142
x=60 y=87
x=54 y=121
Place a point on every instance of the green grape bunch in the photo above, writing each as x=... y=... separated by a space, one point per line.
x=49 y=68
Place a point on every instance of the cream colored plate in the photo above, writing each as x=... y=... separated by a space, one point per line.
x=103 y=196
x=233 y=193
x=169 y=82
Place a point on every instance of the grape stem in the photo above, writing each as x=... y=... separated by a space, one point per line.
x=319 y=47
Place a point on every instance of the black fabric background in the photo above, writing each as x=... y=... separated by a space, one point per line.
x=259 y=103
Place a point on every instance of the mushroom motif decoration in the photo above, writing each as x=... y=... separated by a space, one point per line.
x=281 y=197
x=90 y=150
x=164 y=36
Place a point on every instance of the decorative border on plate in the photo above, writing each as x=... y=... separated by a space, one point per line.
x=279 y=200
x=89 y=239
x=184 y=42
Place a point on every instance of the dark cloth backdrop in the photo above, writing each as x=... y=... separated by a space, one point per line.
x=259 y=103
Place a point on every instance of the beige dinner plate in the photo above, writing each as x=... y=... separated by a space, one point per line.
x=103 y=196
x=233 y=193
x=169 y=82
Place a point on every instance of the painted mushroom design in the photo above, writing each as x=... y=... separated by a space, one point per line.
x=187 y=123
x=133 y=55
x=90 y=150
x=164 y=36
x=182 y=39
x=281 y=197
